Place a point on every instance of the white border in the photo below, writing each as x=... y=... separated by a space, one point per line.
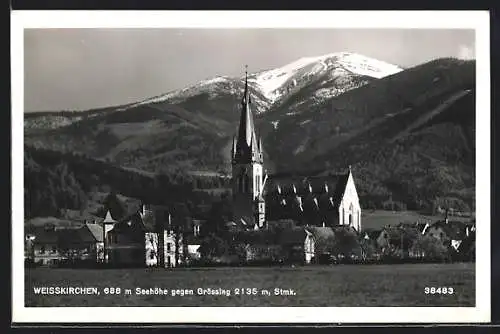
x=478 y=20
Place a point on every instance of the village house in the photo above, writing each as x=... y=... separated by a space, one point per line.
x=399 y=238
x=298 y=244
x=124 y=240
x=144 y=238
x=323 y=243
x=290 y=245
x=42 y=244
x=81 y=244
x=48 y=245
x=449 y=233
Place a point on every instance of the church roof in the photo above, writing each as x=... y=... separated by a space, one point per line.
x=291 y=195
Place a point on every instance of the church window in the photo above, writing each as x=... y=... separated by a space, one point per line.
x=246 y=184
x=242 y=184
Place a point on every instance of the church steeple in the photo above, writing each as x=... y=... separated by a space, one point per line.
x=247 y=167
x=247 y=143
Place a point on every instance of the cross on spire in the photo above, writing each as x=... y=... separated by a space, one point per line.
x=246 y=97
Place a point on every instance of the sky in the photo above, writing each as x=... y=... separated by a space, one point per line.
x=80 y=69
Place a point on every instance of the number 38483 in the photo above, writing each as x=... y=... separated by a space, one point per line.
x=438 y=290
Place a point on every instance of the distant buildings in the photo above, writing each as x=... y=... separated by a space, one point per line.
x=47 y=245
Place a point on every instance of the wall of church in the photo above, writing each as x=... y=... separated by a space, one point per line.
x=349 y=209
x=257 y=178
x=247 y=183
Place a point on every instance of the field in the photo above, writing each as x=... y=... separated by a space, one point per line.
x=341 y=285
x=377 y=219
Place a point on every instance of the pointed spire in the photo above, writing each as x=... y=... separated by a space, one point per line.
x=245 y=93
x=247 y=140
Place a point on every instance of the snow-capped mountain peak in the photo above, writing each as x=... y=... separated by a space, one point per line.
x=274 y=84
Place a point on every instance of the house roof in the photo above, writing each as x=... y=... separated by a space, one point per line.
x=320 y=233
x=95 y=230
x=132 y=225
x=293 y=236
x=373 y=234
x=468 y=244
x=149 y=222
x=43 y=234
x=402 y=233
x=321 y=236
x=455 y=230
x=255 y=237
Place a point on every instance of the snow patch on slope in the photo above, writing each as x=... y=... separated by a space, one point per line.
x=181 y=93
x=271 y=82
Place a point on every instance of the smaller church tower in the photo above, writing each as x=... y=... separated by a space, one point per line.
x=247 y=168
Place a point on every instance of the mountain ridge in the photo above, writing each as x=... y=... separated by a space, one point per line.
x=303 y=130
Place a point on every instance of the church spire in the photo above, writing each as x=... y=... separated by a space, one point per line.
x=246 y=132
x=246 y=95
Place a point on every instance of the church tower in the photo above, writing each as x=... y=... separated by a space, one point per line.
x=247 y=168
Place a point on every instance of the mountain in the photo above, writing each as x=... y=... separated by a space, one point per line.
x=191 y=127
x=410 y=135
x=347 y=70
x=316 y=114
x=277 y=83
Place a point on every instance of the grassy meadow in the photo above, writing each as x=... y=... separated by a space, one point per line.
x=377 y=219
x=340 y=285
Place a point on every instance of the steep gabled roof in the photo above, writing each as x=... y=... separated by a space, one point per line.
x=455 y=230
x=290 y=195
x=322 y=236
x=43 y=235
x=95 y=230
x=149 y=222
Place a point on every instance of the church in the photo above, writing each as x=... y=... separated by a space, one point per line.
x=326 y=200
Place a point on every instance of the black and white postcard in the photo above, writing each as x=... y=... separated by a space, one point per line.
x=251 y=167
